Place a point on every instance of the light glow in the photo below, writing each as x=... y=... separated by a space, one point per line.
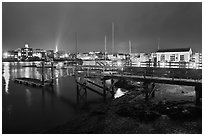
x=6 y=54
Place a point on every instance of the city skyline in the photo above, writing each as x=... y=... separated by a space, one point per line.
x=45 y=25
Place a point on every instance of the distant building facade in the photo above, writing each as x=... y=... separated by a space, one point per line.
x=197 y=58
x=26 y=53
x=39 y=53
x=174 y=55
x=50 y=54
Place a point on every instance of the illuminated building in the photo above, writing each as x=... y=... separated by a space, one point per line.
x=26 y=53
x=50 y=54
x=174 y=55
x=40 y=53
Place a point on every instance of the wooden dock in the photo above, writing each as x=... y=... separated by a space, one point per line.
x=33 y=82
x=149 y=76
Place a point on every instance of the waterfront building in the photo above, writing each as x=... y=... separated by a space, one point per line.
x=87 y=56
x=118 y=56
x=26 y=53
x=13 y=54
x=196 y=60
x=60 y=55
x=174 y=55
x=50 y=54
x=39 y=53
x=139 y=57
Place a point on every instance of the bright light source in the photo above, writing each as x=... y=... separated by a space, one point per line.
x=119 y=63
x=6 y=54
x=66 y=55
x=26 y=45
x=162 y=64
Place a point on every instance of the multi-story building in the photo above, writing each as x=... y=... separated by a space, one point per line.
x=39 y=53
x=26 y=53
x=50 y=54
x=174 y=55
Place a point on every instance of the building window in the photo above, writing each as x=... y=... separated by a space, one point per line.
x=172 y=58
x=181 y=57
x=162 y=57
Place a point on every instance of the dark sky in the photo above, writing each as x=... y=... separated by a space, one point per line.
x=45 y=25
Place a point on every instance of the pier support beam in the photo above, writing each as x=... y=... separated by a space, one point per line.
x=149 y=90
x=112 y=91
x=52 y=72
x=146 y=90
x=152 y=90
x=104 y=89
x=198 y=92
x=43 y=78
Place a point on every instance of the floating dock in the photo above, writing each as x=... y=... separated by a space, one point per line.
x=33 y=82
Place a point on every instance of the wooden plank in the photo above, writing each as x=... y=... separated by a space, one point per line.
x=90 y=88
x=95 y=84
x=156 y=80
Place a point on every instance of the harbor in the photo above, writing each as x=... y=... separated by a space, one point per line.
x=121 y=88
x=101 y=68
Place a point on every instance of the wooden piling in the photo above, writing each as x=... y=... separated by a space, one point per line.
x=77 y=93
x=104 y=89
x=112 y=88
x=43 y=78
x=146 y=91
x=153 y=91
x=52 y=72
x=198 y=92
x=85 y=90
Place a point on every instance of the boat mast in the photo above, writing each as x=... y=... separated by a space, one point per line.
x=105 y=49
x=113 y=36
x=158 y=43
x=76 y=45
x=130 y=47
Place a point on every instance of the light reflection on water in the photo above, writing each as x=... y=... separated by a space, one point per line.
x=6 y=76
x=28 y=97
x=31 y=110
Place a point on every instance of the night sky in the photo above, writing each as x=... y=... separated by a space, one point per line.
x=45 y=25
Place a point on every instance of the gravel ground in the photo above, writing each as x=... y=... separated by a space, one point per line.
x=171 y=111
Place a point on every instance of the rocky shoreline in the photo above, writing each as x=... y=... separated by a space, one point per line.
x=131 y=114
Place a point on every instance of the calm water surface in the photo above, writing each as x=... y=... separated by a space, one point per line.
x=27 y=109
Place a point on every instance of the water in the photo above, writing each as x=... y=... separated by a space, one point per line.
x=27 y=109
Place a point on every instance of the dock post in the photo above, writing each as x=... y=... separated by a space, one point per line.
x=153 y=91
x=43 y=78
x=77 y=92
x=198 y=92
x=104 y=89
x=146 y=90
x=52 y=72
x=112 y=88
x=85 y=90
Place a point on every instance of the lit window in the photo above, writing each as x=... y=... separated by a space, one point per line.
x=162 y=57
x=181 y=57
x=172 y=58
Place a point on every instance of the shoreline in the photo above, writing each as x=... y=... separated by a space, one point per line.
x=131 y=114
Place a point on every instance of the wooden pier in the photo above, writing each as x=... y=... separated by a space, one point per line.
x=149 y=76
